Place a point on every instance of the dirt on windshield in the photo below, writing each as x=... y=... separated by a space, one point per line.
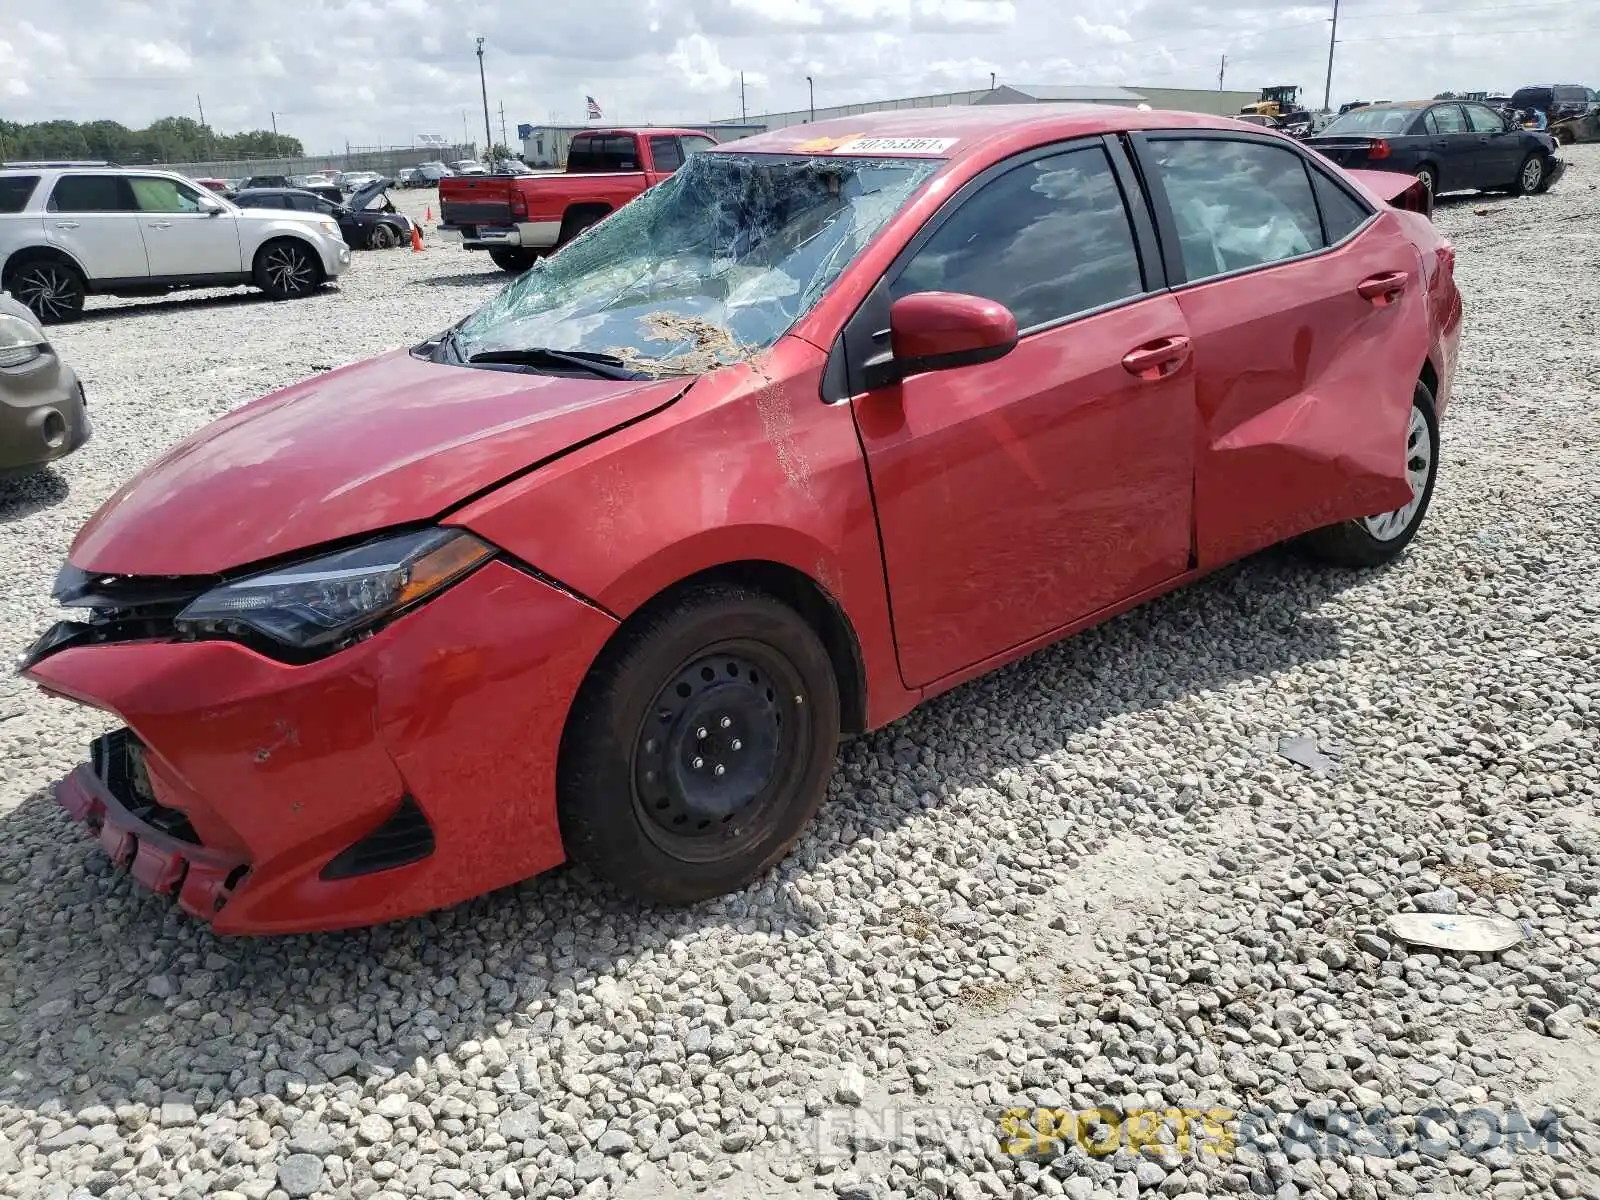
x=700 y=346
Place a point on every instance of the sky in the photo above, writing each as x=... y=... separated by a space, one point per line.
x=381 y=72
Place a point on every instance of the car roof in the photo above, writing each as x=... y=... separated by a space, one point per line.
x=277 y=191
x=967 y=127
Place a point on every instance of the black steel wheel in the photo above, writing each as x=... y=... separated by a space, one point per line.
x=287 y=269
x=53 y=289
x=382 y=237
x=700 y=745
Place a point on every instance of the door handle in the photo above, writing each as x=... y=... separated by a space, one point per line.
x=66 y=224
x=160 y=224
x=1383 y=289
x=1157 y=359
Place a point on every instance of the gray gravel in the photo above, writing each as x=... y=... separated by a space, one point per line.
x=1086 y=881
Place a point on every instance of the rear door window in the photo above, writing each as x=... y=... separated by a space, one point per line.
x=666 y=153
x=15 y=190
x=1237 y=204
x=91 y=194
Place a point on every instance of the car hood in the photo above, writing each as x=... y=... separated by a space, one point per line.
x=364 y=194
x=385 y=442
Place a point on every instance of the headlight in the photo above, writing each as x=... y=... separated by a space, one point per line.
x=324 y=600
x=20 y=342
x=330 y=228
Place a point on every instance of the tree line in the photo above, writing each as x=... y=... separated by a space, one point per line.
x=168 y=140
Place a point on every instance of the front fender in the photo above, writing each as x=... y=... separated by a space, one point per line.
x=750 y=465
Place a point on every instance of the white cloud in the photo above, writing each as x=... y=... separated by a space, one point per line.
x=381 y=71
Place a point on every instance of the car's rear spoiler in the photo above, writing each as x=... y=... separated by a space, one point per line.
x=1400 y=190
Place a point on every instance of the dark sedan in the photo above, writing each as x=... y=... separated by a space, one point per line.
x=1449 y=145
x=362 y=225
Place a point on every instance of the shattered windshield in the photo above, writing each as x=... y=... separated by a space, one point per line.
x=704 y=269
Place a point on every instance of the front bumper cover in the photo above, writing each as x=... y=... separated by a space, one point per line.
x=453 y=712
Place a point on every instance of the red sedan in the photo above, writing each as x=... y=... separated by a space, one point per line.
x=834 y=419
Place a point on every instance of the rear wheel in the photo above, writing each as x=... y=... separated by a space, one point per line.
x=514 y=261
x=1530 y=176
x=51 y=287
x=1375 y=540
x=575 y=223
x=1429 y=175
x=700 y=746
x=287 y=270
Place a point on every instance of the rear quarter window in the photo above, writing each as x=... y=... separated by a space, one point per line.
x=15 y=190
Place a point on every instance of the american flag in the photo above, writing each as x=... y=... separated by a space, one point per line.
x=594 y=108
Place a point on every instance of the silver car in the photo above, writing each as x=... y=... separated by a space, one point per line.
x=42 y=413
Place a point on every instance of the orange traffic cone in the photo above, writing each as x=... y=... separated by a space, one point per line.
x=416 y=239
x=430 y=213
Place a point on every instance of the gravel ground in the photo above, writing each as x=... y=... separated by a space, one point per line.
x=1081 y=882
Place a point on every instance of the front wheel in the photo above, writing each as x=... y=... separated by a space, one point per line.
x=1530 y=175
x=286 y=270
x=1375 y=540
x=699 y=747
x=382 y=237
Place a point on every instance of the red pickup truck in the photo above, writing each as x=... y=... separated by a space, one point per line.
x=516 y=218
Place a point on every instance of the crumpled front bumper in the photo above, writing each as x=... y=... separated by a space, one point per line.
x=201 y=878
x=280 y=776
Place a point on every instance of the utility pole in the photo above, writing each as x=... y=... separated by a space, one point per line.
x=274 y=117
x=200 y=104
x=1333 y=39
x=991 y=81
x=504 y=140
x=1221 y=71
x=488 y=137
x=466 y=135
x=742 y=113
x=812 y=90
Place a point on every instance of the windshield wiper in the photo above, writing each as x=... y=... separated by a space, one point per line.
x=606 y=366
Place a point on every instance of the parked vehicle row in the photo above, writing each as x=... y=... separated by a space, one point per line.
x=70 y=231
x=941 y=387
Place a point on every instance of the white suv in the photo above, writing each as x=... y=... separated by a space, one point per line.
x=69 y=230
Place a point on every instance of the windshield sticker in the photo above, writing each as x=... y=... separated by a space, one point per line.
x=823 y=145
x=896 y=145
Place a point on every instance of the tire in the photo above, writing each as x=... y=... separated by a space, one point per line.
x=50 y=286
x=1530 y=176
x=657 y=727
x=574 y=224
x=1429 y=175
x=514 y=261
x=286 y=269
x=382 y=237
x=1373 y=541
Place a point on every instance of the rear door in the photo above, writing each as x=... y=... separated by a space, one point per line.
x=181 y=237
x=1309 y=330
x=94 y=219
x=1017 y=496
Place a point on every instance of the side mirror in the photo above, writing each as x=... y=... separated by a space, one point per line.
x=210 y=207
x=938 y=331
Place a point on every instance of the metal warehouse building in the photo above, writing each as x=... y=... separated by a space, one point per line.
x=1184 y=99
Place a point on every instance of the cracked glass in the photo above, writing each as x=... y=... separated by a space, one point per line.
x=706 y=268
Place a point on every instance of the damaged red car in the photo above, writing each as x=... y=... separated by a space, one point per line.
x=832 y=420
